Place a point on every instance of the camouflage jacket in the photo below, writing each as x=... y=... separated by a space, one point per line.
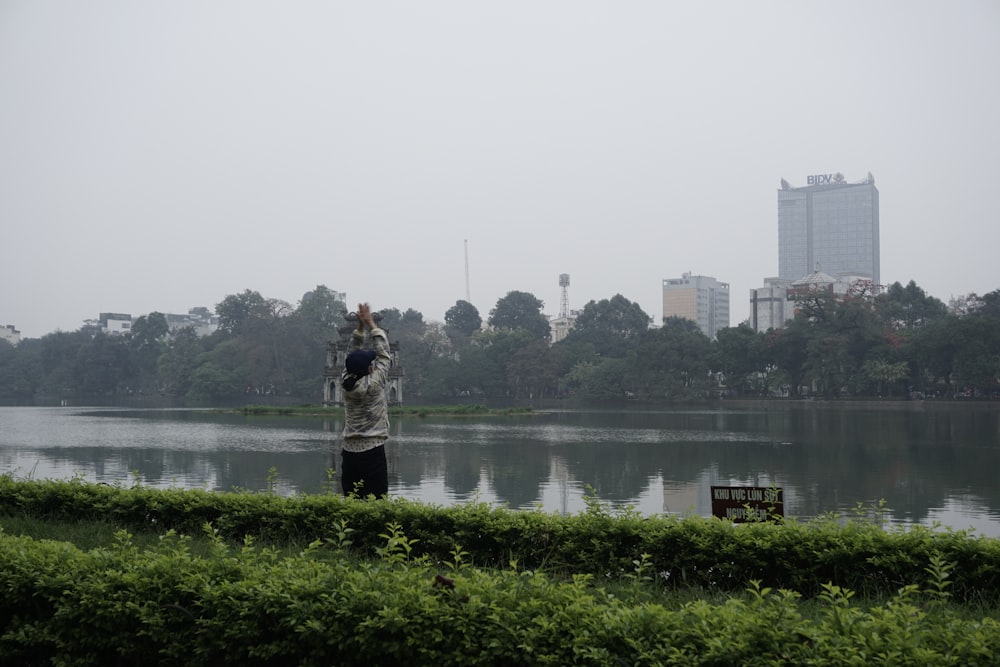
x=366 y=408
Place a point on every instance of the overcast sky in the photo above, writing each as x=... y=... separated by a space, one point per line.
x=157 y=156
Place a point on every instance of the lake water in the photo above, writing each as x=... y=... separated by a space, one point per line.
x=931 y=463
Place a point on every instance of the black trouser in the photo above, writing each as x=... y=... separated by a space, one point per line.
x=365 y=473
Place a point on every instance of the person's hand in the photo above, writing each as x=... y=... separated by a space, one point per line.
x=365 y=316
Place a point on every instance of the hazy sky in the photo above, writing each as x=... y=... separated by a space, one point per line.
x=162 y=155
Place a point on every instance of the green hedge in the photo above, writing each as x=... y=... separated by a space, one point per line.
x=685 y=551
x=164 y=605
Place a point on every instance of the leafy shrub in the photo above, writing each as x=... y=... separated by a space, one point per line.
x=246 y=605
x=697 y=552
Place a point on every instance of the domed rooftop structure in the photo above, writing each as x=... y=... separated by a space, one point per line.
x=815 y=279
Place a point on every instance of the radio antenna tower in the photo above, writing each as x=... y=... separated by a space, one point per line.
x=468 y=295
x=564 y=299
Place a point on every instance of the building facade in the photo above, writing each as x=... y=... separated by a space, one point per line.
x=772 y=305
x=828 y=223
x=201 y=319
x=115 y=324
x=10 y=334
x=769 y=307
x=559 y=327
x=699 y=298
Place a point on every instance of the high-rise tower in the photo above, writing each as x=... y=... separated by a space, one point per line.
x=700 y=298
x=829 y=225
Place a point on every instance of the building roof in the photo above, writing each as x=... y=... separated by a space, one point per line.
x=817 y=277
x=827 y=182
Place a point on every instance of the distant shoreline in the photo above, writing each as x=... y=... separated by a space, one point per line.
x=288 y=406
x=548 y=405
x=881 y=403
x=397 y=411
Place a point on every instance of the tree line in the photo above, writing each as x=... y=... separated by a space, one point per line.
x=897 y=342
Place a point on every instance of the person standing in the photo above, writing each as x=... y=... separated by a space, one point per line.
x=364 y=470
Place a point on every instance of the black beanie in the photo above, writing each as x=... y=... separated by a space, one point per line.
x=357 y=362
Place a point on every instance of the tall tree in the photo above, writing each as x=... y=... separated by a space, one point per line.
x=21 y=369
x=974 y=340
x=493 y=370
x=239 y=312
x=600 y=378
x=740 y=353
x=672 y=361
x=884 y=374
x=908 y=308
x=787 y=351
x=146 y=341
x=531 y=371
x=59 y=354
x=613 y=326
x=179 y=361
x=321 y=312
x=480 y=372
x=520 y=310
x=988 y=305
x=103 y=366
x=463 y=318
x=406 y=327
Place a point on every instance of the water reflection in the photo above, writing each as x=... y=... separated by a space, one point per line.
x=929 y=464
